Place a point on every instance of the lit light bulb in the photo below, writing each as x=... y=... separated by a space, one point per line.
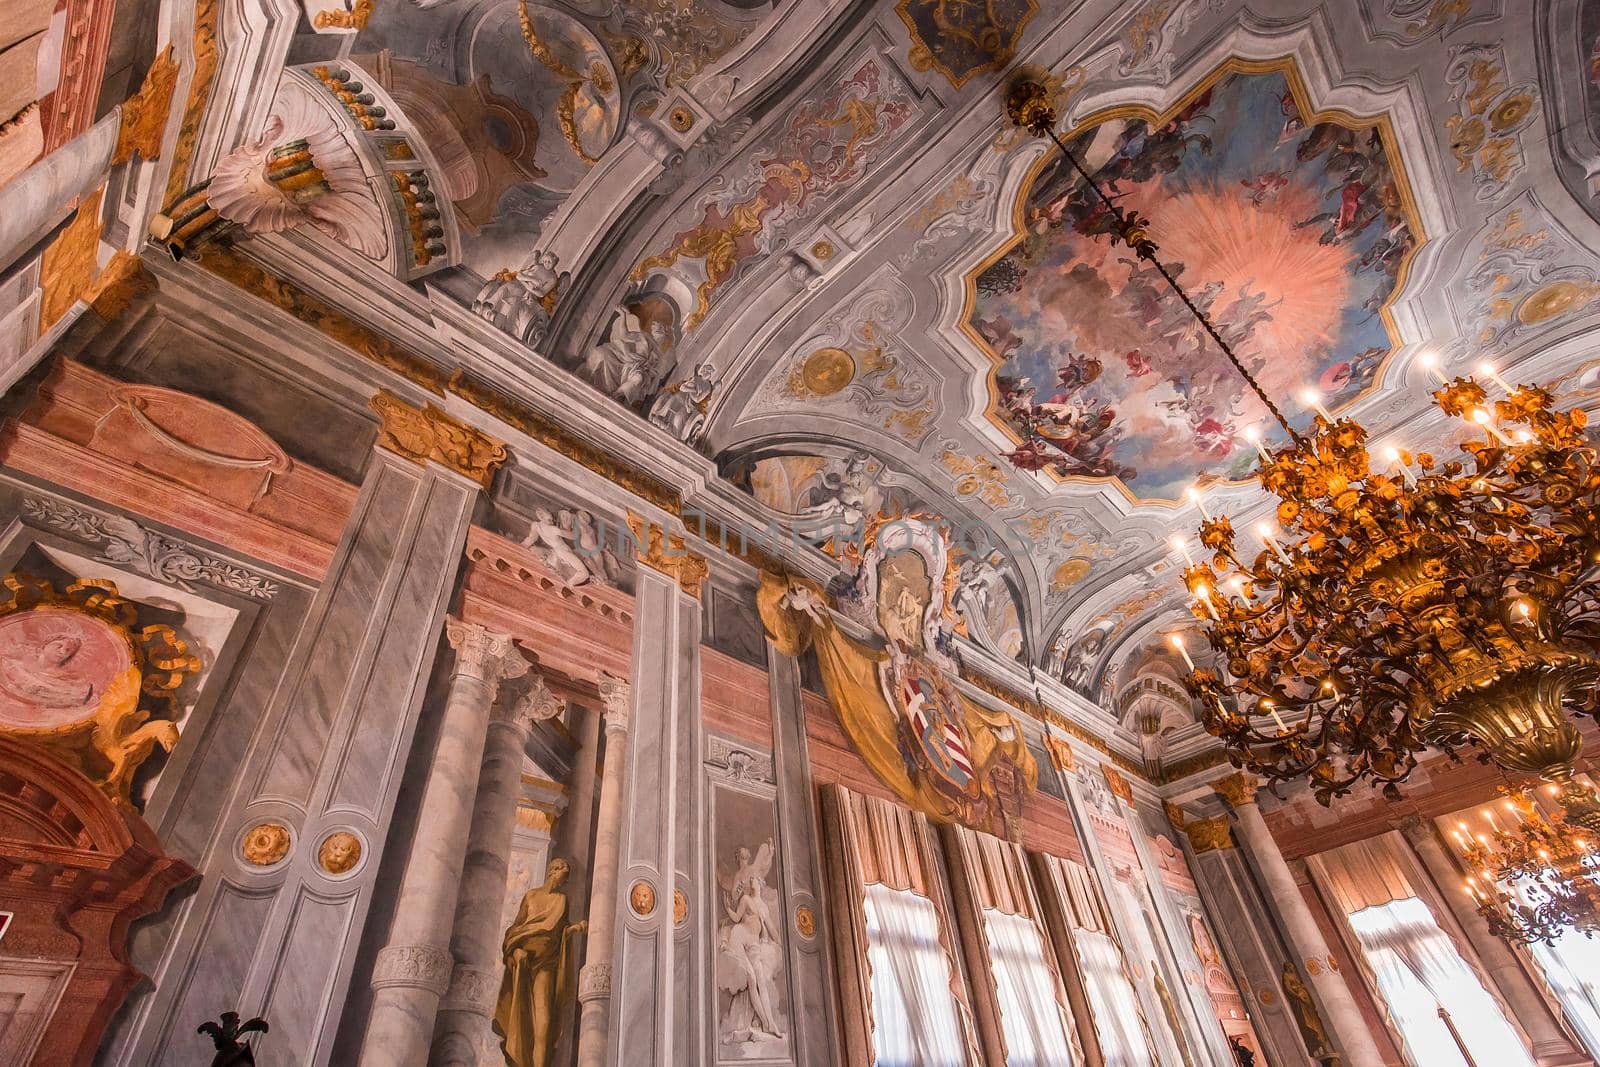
x=1392 y=455
x=1525 y=609
x=1195 y=498
x=1203 y=593
x=1272 y=710
x=1182 y=545
x=1523 y=437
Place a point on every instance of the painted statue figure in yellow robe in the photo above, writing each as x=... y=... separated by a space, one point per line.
x=537 y=972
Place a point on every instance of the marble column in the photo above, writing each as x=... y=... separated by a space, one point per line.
x=413 y=969
x=1246 y=935
x=1340 y=1012
x=468 y=1005
x=594 y=980
x=1551 y=1048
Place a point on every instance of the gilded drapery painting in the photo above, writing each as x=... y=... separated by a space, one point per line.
x=897 y=700
x=1292 y=231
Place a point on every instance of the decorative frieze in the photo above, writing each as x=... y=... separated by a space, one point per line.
x=413 y=966
x=737 y=762
x=124 y=542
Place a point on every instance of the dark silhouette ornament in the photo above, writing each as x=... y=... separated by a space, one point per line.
x=228 y=1035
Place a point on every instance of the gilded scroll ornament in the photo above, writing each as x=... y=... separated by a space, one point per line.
x=805 y=921
x=80 y=678
x=668 y=555
x=356 y=18
x=1118 y=785
x=144 y=114
x=421 y=434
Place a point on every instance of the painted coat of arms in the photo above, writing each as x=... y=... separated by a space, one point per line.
x=933 y=734
x=960 y=38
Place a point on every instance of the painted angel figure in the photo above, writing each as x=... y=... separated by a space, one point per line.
x=749 y=954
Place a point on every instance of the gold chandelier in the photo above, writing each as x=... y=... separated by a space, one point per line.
x=1536 y=876
x=1421 y=604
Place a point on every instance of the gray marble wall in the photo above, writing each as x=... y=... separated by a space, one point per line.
x=322 y=744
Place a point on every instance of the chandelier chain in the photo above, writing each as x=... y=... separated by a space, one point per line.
x=1132 y=231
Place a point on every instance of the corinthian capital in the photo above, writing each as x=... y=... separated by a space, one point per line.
x=617 y=695
x=1238 y=789
x=483 y=654
x=536 y=704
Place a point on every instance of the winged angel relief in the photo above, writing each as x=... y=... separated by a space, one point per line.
x=749 y=954
x=896 y=697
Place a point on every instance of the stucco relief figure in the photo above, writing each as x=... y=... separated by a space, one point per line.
x=55 y=667
x=843 y=496
x=749 y=955
x=681 y=408
x=539 y=972
x=521 y=302
x=551 y=539
x=1080 y=661
x=627 y=366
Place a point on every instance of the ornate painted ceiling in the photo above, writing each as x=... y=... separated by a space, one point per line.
x=802 y=240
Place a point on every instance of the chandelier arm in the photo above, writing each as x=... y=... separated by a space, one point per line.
x=1131 y=232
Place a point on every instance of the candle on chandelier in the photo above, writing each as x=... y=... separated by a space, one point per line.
x=1482 y=417
x=1196 y=499
x=1182 y=545
x=1313 y=400
x=1273 y=711
x=1265 y=533
x=1430 y=363
x=1176 y=641
x=1486 y=369
x=1253 y=435
x=1203 y=592
x=1392 y=454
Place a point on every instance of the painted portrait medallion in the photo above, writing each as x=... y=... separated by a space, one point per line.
x=1292 y=231
x=56 y=666
x=959 y=38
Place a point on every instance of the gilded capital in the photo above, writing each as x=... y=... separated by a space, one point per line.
x=1118 y=784
x=1238 y=789
x=484 y=654
x=668 y=554
x=617 y=695
x=423 y=434
x=1209 y=835
x=1176 y=816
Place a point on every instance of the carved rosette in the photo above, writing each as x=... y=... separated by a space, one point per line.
x=669 y=555
x=1209 y=835
x=265 y=844
x=617 y=696
x=483 y=654
x=594 y=982
x=413 y=966
x=1238 y=789
x=423 y=434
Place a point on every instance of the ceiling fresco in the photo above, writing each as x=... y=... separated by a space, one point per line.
x=802 y=240
x=1291 y=232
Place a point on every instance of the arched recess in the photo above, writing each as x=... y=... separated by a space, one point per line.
x=66 y=949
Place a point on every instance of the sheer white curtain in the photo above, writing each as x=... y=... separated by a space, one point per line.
x=1572 y=967
x=1030 y=1014
x=1112 y=1001
x=914 y=1020
x=1418 y=970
